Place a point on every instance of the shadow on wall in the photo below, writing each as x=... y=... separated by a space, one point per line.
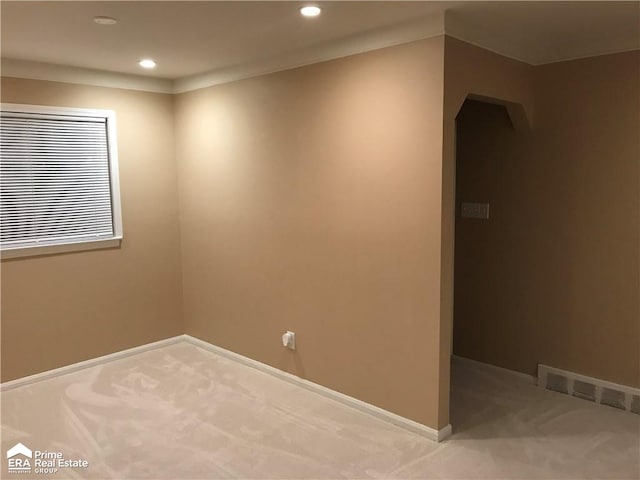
x=515 y=111
x=487 y=250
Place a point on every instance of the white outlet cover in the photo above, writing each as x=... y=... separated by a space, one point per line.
x=289 y=340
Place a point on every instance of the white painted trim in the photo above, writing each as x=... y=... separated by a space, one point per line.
x=381 y=414
x=114 y=174
x=590 y=55
x=528 y=61
x=66 y=246
x=422 y=28
x=530 y=379
x=415 y=427
x=629 y=391
x=69 y=247
x=55 y=111
x=66 y=74
x=74 y=367
x=471 y=41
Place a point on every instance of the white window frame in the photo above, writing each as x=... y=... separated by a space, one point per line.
x=42 y=111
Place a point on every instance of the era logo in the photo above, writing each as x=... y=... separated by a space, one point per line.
x=19 y=458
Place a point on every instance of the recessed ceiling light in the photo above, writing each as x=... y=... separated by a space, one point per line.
x=147 y=63
x=310 y=11
x=105 y=20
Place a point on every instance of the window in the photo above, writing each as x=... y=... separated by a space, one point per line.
x=58 y=180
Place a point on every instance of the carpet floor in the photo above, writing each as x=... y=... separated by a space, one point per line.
x=181 y=412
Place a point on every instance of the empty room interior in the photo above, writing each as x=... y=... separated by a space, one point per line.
x=286 y=240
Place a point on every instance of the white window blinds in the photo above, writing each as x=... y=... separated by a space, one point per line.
x=57 y=180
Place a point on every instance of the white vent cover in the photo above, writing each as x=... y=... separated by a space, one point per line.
x=589 y=388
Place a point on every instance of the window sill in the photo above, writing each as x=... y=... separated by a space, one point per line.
x=37 y=251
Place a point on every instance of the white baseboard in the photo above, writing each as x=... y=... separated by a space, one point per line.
x=74 y=367
x=407 y=424
x=494 y=368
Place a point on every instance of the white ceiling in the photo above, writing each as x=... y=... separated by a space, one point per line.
x=189 y=38
x=184 y=38
x=549 y=31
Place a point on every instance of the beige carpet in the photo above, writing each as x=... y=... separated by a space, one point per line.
x=181 y=412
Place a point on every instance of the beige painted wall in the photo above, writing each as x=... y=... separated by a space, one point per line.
x=469 y=70
x=554 y=276
x=310 y=201
x=321 y=200
x=62 y=309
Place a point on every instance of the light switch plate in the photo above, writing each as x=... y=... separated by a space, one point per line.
x=475 y=210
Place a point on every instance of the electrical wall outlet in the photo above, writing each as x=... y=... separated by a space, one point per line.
x=289 y=340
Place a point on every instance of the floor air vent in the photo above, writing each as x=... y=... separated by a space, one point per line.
x=588 y=388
